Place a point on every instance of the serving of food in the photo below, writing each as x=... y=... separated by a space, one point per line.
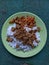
x=23 y=34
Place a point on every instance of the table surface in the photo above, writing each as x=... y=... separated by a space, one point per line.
x=40 y=8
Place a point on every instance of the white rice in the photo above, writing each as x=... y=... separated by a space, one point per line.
x=16 y=42
x=27 y=29
x=12 y=44
x=9 y=32
x=35 y=43
x=37 y=36
x=34 y=28
x=27 y=49
x=23 y=47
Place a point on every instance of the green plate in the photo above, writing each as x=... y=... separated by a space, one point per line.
x=43 y=35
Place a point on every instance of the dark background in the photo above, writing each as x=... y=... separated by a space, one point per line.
x=39 y=7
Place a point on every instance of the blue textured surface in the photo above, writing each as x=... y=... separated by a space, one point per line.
x=39 y=7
